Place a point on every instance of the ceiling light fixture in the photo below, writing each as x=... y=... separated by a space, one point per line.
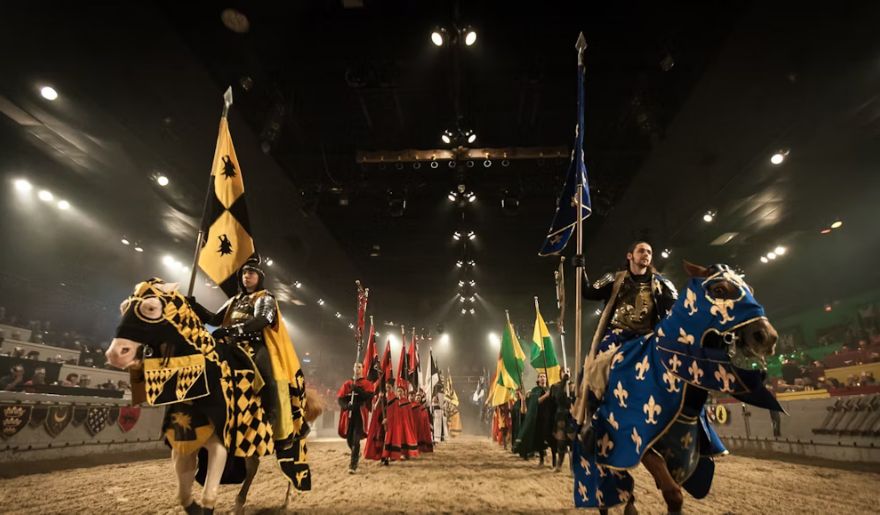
x=125 y=241
x=320 y=302
x=456 y=235
x=46 y=196
x=63 y=205
x=709 y=216
x=665 y=254
x=780 y=250
x=437 y=36
x=771 y=256
x=48 y=92
x=138 y=248
x=338 y=315
x=764 y=259
x=837 y=224
x=470 y=37
x=23 y=185
x=298 y=284
x=162 y=180
x=779 y=157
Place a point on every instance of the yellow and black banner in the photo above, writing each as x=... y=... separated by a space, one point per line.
x=227 y=243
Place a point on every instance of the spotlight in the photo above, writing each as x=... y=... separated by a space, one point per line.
x=837 y=224
x=780 y=250
x=456 y=235
x=494 y=340
x=472 y=137
x=472 y=263
x=472 y=235
x=828 y=308
x=463 y=311
x=437 y=37
x=48 y=92
x=771 y=256
x=471 y=196
x=764 y=259
x=445 y=138
x=826 y=230
x=435 y=165
x=46 y=196
x=298 y=284
x=472 y=299
x=137 y=247
x=320 y=302
x=351 y=326
x=168 y=261
x=487 y=163
x=162 y=180
x=597 y=312
x=473 y=283
x=444 y=339
x=63 y=205
x=461 y=299
x=125 y=241
x=470 y=37
x=269 y=262
x=460 y=284
x=452 y=196
x=505 y=163
x=665 y=254
x=458 y=264
x=709 y=216
x=473 y=311
x=23 y=186
x=779 y=157
x=338 y=315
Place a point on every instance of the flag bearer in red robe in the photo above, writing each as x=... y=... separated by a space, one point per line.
x=354 y=399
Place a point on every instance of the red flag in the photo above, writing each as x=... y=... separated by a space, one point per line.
x=362 y=296
x=402 y=368
x=371 y=358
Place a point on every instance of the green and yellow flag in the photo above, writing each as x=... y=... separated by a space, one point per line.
x=543 y=356
x=511 y=363
x=227 y=243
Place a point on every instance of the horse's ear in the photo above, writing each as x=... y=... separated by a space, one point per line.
x=166 y=287
x=695 y=270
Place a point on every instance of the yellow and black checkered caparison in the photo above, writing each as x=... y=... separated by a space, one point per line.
x=227 y=243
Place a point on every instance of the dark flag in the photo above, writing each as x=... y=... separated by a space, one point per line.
x=227 y=243
x=413 y=362
x=387 y=371
x=566 y=216
x=371 y=358
x=433 y=373
x=402 y=368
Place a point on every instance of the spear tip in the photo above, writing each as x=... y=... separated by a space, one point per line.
x=581 y=43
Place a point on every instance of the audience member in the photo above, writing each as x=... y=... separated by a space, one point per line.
x=14 y=379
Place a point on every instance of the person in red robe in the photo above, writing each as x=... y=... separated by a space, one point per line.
x=354 y=399
x=376 y=433
x=392 y=449
x=409 y=444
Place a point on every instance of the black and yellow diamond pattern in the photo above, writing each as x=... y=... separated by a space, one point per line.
x=227 y=243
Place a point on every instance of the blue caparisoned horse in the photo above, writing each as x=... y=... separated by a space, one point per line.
x=653 y=407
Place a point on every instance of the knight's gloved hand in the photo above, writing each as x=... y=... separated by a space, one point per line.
x=350 y=406
x=220 y=333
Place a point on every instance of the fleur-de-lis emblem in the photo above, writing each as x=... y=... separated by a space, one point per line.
x=637 y=439
x=650 y=409
x=600 y=497
x=685 y=338
x=690 y=302
x=641 y=368
x=613 y=423
x=602 y=472
x=621 y=394
x=585 y=465
x=660 y=333
x=686 y=440
x=722 y=307
x=605 y=445
x=617 y=330
x=657 y=288
x=671 y=382
x=674 y=363
x=582 y=489
x=725 y=377
x=616 y=359
x=696 y=372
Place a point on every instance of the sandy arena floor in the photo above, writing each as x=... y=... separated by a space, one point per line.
x=470 y=474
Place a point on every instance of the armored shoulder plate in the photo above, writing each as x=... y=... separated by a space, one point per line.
x=265 y=307
x=604 y=280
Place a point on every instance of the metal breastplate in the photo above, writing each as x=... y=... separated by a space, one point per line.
x=634 y=308
x=241 y=310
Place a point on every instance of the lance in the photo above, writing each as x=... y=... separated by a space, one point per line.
x=362 y=296
x=227 y=101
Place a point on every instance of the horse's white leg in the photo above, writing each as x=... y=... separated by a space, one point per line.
x=185 y=467
x=216 y=464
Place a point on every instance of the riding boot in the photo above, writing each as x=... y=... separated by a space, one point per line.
x=560 y=453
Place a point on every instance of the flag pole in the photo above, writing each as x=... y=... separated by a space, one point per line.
x=579 y=228
x=227 y=101
x=362 y=296
x=560 y=304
